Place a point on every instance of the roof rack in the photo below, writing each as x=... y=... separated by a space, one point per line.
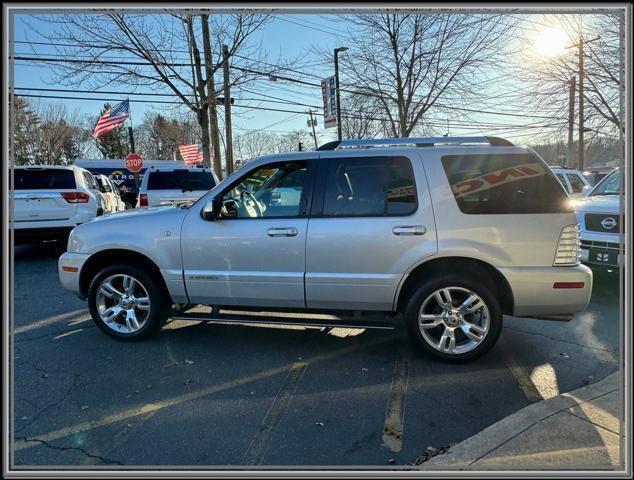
x=416 y=142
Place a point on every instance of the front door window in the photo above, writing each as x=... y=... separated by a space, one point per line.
x=273 y=191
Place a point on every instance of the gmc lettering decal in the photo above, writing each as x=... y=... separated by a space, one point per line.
x=496 y=178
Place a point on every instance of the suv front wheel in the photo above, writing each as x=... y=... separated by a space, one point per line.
x=127 y=302
x=454 y=319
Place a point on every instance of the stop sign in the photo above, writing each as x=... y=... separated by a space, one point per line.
x=134 y=162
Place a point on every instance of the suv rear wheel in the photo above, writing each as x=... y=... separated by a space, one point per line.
x=453 y=318
x=127 y=302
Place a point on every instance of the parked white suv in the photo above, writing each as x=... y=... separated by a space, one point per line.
x=601 y=219
x=452 y=233
x=111 y=199
x=49 y=201
x=172 y=184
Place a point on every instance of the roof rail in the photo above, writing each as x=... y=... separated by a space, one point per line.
x=415 y=141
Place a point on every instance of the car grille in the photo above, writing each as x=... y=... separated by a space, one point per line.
x=601 y=222
x=611 y=246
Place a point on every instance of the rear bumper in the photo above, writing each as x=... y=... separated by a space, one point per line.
x=69 y=268
x=534 y=293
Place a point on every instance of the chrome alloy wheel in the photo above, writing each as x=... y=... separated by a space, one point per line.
x=123 y=303
x=453 y=320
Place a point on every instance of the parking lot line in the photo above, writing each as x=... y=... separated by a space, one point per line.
x=260 y=443
x=393 y=427
x=21 y=444
x=523 y=379
x=71 y=316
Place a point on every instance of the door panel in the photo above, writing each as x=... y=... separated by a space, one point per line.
x=358 y=262
x=236 y=262
x=255 y=253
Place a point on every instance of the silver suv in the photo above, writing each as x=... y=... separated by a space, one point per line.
x=450 y=233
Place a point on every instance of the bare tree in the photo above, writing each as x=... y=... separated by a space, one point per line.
x=411 y=62
x=159 y=137
x=157 y=51
x=49 y=135
x=360 y=116
x=545 y=84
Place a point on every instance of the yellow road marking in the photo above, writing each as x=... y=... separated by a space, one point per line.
x=20 y=444
x=260 y=443
x=393 y=427
x=522 y=378
x=50 y=321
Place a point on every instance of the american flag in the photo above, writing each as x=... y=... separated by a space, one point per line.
x=192 y=154
x=112 y=119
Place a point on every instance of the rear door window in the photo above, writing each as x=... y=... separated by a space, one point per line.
x=504 y=183
x=562 y=179
x=180 y=180
x=372 y=186
x=575 y=183
x=44 y=179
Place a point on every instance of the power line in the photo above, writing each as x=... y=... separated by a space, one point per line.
x=154 y=94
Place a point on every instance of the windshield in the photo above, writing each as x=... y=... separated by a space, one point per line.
x=180 y=180
x=611 y=185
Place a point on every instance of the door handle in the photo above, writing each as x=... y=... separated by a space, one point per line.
x=282 y=232
x=409 y=230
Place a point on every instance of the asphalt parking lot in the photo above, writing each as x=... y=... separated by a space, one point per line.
x=215 y=395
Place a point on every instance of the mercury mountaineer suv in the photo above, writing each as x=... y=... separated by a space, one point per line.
x=447 y=234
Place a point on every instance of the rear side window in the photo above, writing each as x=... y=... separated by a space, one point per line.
x=44 y=179
x=376 y=186
x=575 y=183
x=179 y=180
x=562 y=179
x=504 y=183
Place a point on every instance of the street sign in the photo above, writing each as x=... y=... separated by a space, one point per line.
x=328 y=93
x=134 y=162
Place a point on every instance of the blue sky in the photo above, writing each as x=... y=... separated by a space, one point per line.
x=287 y=37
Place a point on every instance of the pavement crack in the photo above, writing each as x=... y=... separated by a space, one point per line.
x=560 y=340
x=70 y=389
x=104 y=460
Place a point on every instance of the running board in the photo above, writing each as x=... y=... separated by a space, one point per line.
x=298 y=322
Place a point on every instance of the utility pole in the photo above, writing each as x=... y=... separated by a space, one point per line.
x=581 y=125
x=312 y=124
x=228 y=134
x=211 y=96
x=571 y=119
x=337 y=93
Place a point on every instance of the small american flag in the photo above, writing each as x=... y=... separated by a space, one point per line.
x=192 y=154
x=112 y=119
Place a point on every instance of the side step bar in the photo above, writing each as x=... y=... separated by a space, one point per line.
x=280 y=320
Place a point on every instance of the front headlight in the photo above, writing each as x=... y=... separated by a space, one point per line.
x=74 y=243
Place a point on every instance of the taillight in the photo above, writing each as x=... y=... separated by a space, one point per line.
x=143 y=200
x=569 y=246
x=75 y=197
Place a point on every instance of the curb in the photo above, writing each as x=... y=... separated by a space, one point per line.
x=462 y=455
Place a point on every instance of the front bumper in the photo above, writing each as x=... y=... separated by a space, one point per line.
x=534 y=293
x=69 y=268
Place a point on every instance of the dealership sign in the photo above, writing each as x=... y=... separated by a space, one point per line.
x=328 y=93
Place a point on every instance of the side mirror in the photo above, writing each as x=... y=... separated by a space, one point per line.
x=210 y=210
x=586 y=190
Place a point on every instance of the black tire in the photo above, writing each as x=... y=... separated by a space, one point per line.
x=159 y=300
x=481 y=288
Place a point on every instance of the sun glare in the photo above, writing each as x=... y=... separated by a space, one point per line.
x=550 y=42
